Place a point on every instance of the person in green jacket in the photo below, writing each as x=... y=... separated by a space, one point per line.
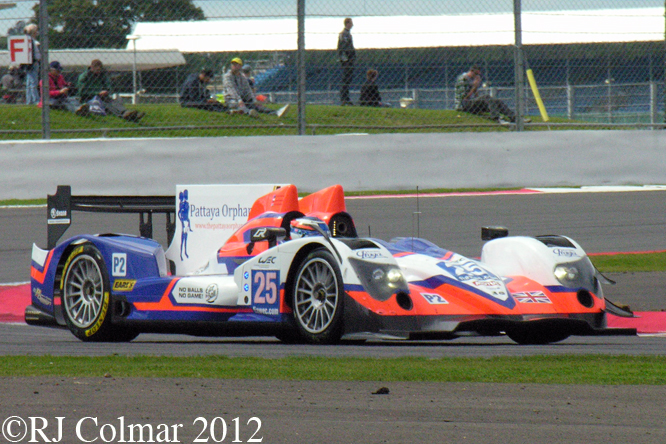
x=95 y=82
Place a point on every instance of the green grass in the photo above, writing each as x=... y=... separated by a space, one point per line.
x=591 y=369
x=630 y=262
x=22 y=202
x=181 y=122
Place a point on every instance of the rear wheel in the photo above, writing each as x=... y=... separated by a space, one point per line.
x=86 y=297
x=317 y=298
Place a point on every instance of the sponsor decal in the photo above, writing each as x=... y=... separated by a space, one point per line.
x=119 y=264
x=190 y=293
x=267 y=260
x=369 y=254
x=265 y=291
x=471 y=273
x=532 y=297
x=211 y=293
x=37 y=292
x=102 y=316
x=58 y=213
x=227 y=211
x=57 y=217
x=434 y=299
x=565 y=252
x=124 y=285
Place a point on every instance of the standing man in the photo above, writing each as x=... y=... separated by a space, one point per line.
x=346 y=56
x=32 y=70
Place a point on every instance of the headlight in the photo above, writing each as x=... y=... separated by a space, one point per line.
x=395 y=275
x=381 y=281
x=578 y=274
x=568 y=273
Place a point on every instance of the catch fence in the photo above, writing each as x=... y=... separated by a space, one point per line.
x=594 y=61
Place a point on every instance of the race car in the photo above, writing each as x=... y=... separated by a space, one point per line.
x=296 y=269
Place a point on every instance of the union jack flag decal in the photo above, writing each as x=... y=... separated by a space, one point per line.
x=532 y=297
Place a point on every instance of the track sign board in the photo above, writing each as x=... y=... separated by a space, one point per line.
x=20 y=49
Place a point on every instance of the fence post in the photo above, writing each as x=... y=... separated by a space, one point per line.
x=44 y=69
x=570 y=101
x=653 y=103
x=300 y=67
x=519 y=69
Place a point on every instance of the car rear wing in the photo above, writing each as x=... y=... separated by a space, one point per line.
x=59 y=208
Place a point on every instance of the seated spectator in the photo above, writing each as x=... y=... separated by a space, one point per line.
x=238 y=94
x=95 y=82
x=60 y=90
x=247 y=72
x=469 y=100
x=370 y=91
x=194 y=93
x=12 y=84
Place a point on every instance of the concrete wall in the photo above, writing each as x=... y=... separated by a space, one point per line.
x=31 y=169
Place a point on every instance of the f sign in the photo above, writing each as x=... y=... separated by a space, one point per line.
x=20 y=49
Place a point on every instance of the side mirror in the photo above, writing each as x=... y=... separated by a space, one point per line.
x=270 y=234
x=490 y=233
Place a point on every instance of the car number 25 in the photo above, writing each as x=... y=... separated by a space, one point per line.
x=265 y=286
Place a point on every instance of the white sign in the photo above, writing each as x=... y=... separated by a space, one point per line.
x=20 y=49
x=206 y=216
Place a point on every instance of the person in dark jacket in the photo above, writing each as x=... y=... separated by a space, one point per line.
x=95 y=82
x=347 y=57
x=370 y=91
x=194 y=93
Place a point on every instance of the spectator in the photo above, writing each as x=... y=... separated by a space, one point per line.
x=238 y=95
x=12 y=82
x=247 y=72
x=194 y=93
x=469 y=100
x=94 y=82
x=32 y=70
x=370 y=91
x=60 y=90
x=347 y=57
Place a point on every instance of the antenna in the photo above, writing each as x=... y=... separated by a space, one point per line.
x=416 y=214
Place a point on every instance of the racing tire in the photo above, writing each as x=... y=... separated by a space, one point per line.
x=536 y=337
x=86 y=297
x=318 y=298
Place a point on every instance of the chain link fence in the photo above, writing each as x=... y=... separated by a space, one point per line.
x=596 y=63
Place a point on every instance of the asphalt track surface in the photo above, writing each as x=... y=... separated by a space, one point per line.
x=349 y=411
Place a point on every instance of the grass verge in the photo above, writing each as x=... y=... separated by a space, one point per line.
x=170 y=120
x=620 y=263
x=591 y=369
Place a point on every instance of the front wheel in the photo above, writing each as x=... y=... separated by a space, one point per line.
x=318 y=298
